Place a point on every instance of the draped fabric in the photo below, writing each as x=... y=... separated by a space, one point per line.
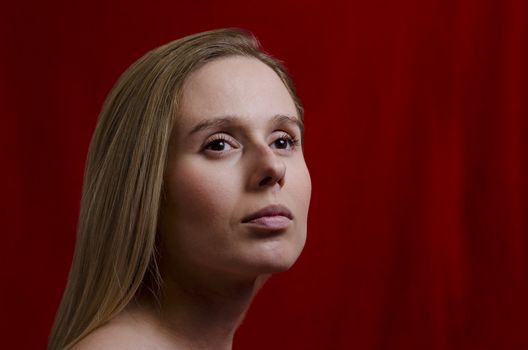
x=416 y=139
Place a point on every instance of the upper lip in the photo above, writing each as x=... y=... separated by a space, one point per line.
x=272 y=210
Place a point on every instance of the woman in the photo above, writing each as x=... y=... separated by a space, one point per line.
x=195 y=191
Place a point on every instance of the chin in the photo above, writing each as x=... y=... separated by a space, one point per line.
x=275 y=256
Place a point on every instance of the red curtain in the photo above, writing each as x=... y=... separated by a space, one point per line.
x=416 y=138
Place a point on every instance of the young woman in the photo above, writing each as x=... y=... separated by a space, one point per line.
x=195 y=191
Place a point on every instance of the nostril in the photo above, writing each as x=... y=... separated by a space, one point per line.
x=265 y=181
x=269 y=172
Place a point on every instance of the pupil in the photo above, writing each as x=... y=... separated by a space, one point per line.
x=281 y=143
x=218 y=145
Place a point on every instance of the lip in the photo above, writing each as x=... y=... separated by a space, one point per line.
x=273 y=217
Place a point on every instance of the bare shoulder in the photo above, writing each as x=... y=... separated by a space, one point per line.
x=123 y=332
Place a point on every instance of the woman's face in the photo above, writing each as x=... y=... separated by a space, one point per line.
x=237 y=188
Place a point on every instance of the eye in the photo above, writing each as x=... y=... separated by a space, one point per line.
x=219 y=143
x=285 y=141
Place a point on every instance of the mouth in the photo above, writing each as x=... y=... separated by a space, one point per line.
x=270 y=218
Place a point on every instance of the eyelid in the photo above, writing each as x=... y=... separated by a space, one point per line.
x=221 y=136
x=292 y=130
x=291 y=137
x=291 y=133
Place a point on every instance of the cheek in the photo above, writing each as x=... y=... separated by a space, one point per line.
x=301 y=186
x=197 y=213
x=198 y=194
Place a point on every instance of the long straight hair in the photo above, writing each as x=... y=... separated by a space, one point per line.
x=115 y=254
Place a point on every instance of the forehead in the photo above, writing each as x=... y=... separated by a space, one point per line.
x=237 y=85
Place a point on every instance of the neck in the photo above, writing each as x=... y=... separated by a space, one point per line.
x=202 y=313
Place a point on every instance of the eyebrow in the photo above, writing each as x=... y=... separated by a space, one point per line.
x=227 y=121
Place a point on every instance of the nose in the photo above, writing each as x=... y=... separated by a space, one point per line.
x=268 y=171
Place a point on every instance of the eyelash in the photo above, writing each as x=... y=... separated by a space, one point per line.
x=217 y=137
x=293 y=141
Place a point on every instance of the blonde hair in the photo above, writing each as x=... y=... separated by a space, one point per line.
x=115 y=254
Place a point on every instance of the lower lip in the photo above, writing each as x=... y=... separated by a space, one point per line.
x=271 y=223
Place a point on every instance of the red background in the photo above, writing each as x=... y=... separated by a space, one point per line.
x=416 y=126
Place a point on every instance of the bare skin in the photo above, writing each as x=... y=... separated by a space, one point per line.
x=204 y=320
x=212 y=261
